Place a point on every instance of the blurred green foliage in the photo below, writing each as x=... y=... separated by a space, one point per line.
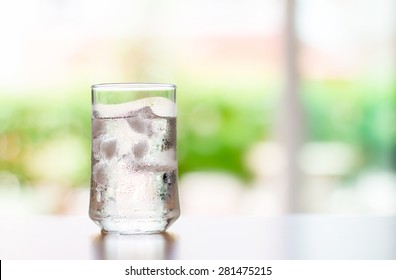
x=30 y=122
x=217 y=124
x=358 y=113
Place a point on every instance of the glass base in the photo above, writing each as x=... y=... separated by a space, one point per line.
x=133 y=226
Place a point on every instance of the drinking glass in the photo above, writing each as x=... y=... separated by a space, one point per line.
x=133 y=161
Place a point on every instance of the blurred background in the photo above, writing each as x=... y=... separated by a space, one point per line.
x=283 y=105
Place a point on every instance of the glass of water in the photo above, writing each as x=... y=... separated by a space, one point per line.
x=133 y=161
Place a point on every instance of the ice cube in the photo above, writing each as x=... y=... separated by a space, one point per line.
x=169 y=139
x=98 y=127
x=144 y=112
x=96 y=147
x=140 y=149
x=109 y=148
x=99 y=174
x=126 y=137
x=139 y=122
x=160 y=106
x=163 y=107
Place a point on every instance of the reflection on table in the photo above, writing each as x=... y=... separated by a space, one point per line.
x=133 y=247
x=237 y=237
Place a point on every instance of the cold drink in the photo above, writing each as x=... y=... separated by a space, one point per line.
x=134 y=166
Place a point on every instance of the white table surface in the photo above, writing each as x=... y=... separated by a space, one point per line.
x=306 y=237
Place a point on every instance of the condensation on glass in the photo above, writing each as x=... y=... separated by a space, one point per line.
x=134 y=162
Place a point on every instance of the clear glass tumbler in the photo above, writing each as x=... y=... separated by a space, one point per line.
x=134 y=163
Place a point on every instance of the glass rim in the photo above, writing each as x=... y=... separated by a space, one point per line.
x=133 y=86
